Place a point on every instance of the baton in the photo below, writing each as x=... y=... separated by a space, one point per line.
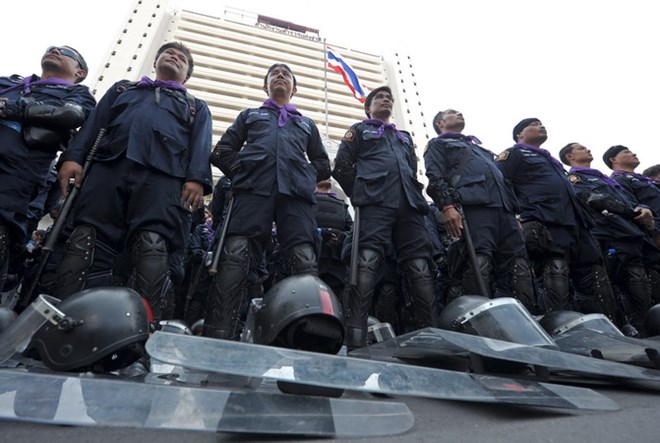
x=51 y=241
x=355 y=248
x=472 y=254
x=213 y=270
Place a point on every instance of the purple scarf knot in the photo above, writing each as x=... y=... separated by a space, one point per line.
x=382 y=126
x=33 y=80
x=543 y=152
x=596 y=173
x=467 y=138
x=287 y=111
x=146 y=82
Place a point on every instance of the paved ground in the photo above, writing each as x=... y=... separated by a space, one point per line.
x=638 y=421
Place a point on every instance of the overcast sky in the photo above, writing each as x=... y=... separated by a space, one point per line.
x=588 y=69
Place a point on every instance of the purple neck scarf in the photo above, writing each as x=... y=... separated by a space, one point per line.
x=467 y=138
x=146 y=82
x=595 y=173
x=543 y=153
x=287 y=111
x=637 y=176
x=382 y=126
x=34 y=80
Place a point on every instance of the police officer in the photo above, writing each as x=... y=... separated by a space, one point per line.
x=264 y=153
x=37 y=115
x=376 y=167
x=555 y=223
x=334 y=221
x=622 y=161
x=150 y=170
x=463 y=173
x=620 y=226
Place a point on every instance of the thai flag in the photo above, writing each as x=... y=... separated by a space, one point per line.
x=337 y=63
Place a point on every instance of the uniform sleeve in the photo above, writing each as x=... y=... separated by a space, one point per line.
x=225 y=155
x=344 y=171
x=199 y=169
x=507 y=162
x=317 y=154
x=436 y=171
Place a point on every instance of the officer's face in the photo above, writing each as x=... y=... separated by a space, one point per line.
x=534 y=133
x=172 y=64
x=63 y=61
x=381 y=105
x=626 y=158
x=580 y=153
x=279 y=82
x=452 y=121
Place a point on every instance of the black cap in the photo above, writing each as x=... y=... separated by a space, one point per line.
x=612 y=152
x=522 y=125
x=372 y=94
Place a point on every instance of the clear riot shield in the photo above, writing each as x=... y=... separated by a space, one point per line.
x=17 y=336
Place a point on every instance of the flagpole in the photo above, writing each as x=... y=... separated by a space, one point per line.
x=325 y=87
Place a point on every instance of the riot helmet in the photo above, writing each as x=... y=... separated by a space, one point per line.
x=560 y=322
x=104 y=330
x=502 y=318
x=300 y=312
x=652 y=321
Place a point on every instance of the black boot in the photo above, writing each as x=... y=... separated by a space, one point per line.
x=227 y=289
x=358 y=298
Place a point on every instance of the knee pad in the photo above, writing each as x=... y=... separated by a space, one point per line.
x=73 y=270
x=152 y=272
x=302 y=260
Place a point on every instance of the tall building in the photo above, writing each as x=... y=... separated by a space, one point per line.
x=232 y=54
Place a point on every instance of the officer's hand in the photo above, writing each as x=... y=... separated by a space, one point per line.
x=453 y=221
x=645 y=218
x=191 y=195
x=69 y=170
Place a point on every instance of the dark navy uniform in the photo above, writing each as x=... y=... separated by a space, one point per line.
x=621 y=239
x=463 y=173
x=157 y=139
x=271 y=177
x=376 y=167
x=54 y=109
x=272 y=180
x=644 y=190
x=557 y=230
x=647 y=192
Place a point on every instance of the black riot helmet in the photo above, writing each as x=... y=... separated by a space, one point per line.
x=300 y=312
x=652 y=321
x=559 y=322
x=502 y=318
x=104 y=329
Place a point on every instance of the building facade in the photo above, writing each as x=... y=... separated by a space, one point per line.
x=232 y=54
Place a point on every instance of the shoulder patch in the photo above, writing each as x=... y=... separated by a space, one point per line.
x=503 y=156
x=349 y=136
x=574 y=178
